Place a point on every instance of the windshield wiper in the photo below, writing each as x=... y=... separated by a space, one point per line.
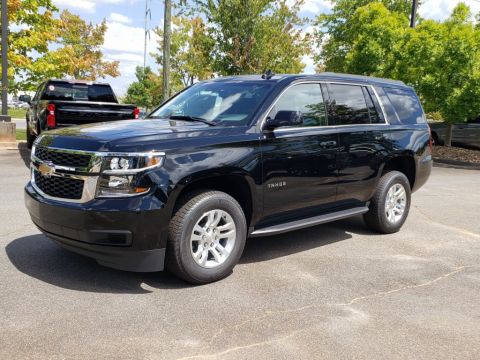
x=192 y=118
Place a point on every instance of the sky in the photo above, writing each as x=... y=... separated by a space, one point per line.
x=124 y=40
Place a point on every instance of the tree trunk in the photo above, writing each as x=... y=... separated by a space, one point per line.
x=448 y=135
x=166 y=49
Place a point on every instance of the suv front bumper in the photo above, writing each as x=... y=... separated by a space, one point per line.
x=127 y=234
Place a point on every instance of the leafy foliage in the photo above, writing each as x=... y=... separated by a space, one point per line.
x=337 y=35
x=251 y=36
x=441 y=60
x=32 y=27
x=146 y=92
x=79 y=54
x=42 y=45
x=190 y=52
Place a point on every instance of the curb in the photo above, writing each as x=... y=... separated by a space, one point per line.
x=454 y=164
x=17 y=145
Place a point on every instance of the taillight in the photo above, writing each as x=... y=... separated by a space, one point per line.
x=51 y=121
x=136 y=113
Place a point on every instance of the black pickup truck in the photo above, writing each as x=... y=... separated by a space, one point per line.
x=61 y=103
x=464 y=134
x=228 y=159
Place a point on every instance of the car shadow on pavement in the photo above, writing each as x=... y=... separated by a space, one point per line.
x=24 y=153
x=40 y=258
x=271 y=247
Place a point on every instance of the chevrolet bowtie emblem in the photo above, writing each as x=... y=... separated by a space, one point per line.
x=47 y=169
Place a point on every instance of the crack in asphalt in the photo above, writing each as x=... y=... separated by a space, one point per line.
x=312 y=306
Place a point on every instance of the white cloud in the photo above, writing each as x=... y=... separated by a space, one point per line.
x=116 y=17
x=441 y=9
x=316 y=6
x=125 y=43
x=309 y=64
x=85 y=5
x=125 y=38
x=313 y=7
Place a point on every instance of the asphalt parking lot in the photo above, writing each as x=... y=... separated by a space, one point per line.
x=335 y=291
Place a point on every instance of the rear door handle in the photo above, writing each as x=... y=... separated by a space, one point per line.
x=328 y=144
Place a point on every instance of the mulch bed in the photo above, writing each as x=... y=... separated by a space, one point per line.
x=457 y=154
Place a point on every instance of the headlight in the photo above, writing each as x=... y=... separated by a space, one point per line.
x=121 y=174
x=131 y=163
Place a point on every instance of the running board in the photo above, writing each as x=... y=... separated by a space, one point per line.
x=316 y=220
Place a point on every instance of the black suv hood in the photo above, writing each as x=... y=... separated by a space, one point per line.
x=135 y=135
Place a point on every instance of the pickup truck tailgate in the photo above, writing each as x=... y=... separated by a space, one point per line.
x=70 y=113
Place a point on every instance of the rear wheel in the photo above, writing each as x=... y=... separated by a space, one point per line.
x=390 y=204
x=207 y=237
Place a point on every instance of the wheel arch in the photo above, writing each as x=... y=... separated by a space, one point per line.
x=404 y=163
x=234 y=182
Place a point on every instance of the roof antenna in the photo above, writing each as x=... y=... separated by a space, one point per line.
x=267 y=75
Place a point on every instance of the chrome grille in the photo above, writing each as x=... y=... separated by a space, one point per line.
x=58 y=186
x=61 y=158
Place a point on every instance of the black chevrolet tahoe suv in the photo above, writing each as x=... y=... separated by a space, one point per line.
x=228 y=159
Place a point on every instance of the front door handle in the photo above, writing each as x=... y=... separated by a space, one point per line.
x=328 y=144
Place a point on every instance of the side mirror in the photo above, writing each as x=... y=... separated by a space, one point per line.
x=25 y=98
x=284 y=118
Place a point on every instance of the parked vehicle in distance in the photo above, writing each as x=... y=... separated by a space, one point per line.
x=62 y=103
x=228 y=159
x=464 y=134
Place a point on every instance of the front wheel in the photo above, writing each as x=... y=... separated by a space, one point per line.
x=207 y=237
x=390 y=204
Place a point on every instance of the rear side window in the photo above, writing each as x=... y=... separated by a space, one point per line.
x=348 y=105
x=306 y=98
x=406 y=105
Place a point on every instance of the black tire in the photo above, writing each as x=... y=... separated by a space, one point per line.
x=179 y=259
x=30 y=137
x=376 y=218
x=436 y=140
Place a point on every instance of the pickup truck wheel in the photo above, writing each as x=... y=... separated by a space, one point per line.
x=207 y=237
x=390 y=205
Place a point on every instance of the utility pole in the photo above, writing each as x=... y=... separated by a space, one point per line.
x=414 y=13
x=167 y=26
x=4 y=115
x=147 y=34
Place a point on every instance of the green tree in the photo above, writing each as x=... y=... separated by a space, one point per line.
x=441 y=60
x=335 y=37
x=79 y=54
x=254 y=35
x=146 y=92
x=33 y=27
x=190 y=52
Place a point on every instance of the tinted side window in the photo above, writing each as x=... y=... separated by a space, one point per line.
x=306 y=98
x=348 y=104
x=406 y=105
x=390 y=113
x=39 y=91
x=372 y=111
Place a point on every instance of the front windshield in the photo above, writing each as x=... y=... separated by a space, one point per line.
x=221 y=102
